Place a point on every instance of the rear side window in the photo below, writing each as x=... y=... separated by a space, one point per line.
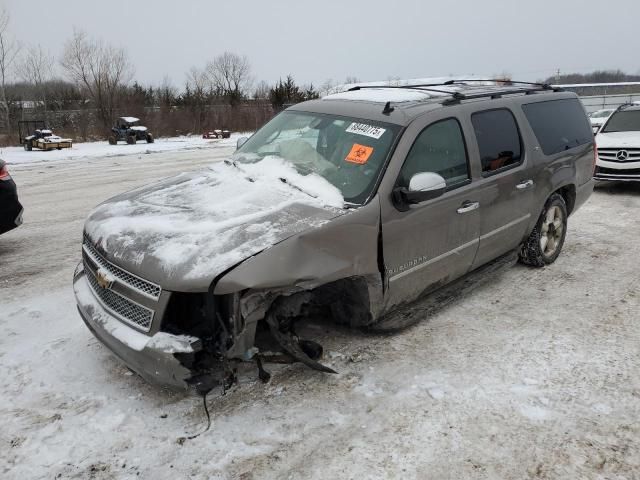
x=559 y=124
x=498 y=139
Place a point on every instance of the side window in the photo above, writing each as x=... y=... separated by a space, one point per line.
x=498 y=139
x=439 y=148
x=559 y=125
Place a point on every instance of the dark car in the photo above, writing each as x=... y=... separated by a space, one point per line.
x=10 y=208
x=348 y=209
x=217 y=134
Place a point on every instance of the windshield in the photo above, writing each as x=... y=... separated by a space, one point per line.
x=348 y=152
x=623 y=121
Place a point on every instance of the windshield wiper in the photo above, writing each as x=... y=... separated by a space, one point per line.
x=284 y=180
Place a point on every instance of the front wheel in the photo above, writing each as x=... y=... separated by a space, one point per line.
x=27 y=146
x=131 y=140
x=112 y=140
x=547 y=238
x=149 y=138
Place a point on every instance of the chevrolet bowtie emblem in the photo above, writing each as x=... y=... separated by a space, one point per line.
x=103 y=280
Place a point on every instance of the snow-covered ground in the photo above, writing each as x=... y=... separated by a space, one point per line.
x=18 y=155
x=529 y=374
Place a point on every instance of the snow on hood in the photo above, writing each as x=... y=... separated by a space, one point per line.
x=618 y=139
x=184 y=231
x=139 y=128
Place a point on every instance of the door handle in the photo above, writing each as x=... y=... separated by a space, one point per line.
x=468 y=207
x=524 y=185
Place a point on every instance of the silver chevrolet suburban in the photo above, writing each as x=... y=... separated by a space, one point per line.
x=346 y=208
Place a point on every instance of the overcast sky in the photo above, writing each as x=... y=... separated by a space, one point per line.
x=371 y=40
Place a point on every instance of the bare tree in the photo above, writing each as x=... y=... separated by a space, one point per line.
x=37 y=68
x=327 y=87
x=261 y=91
x=230 y=74
x=166 y=93
x=197 y=93
x=102 y=70
x=9 y=50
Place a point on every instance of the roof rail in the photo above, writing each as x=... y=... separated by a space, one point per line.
x=530 y=87
x=422 y=88
x=505 y=81
x=626 y=105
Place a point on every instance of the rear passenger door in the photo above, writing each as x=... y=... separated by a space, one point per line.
x=506 y=185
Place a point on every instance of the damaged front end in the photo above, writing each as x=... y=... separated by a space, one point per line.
x=202 y=338
x=259 y=327
x=198 y=340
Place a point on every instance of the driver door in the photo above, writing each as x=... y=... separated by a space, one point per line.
x=432 y=243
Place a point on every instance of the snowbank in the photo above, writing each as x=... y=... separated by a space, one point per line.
x=18 y=155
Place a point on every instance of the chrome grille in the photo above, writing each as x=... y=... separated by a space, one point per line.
x=143 y=286
x=611 y=154
x=123 y=308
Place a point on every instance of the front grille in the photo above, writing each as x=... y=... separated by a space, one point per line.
x=611 y=154
x=143 y=286
x=602 y=172
x=123 y=308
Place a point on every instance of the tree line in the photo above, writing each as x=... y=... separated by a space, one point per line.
x=81 y=93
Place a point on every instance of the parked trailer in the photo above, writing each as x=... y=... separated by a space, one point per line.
x=33 y=134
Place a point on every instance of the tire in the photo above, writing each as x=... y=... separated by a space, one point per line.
x=149 y=138
x=112 y=140
x=547 y=238
x=131 y=140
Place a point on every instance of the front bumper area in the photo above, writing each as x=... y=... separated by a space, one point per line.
x=153 y=357
x=617 y=171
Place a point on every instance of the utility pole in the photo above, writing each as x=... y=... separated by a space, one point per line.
x=557 y=76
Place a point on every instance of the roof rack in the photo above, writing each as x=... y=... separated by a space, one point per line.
x=528 y=88
x=422 y=88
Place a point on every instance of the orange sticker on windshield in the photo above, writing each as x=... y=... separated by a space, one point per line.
x=359 y=154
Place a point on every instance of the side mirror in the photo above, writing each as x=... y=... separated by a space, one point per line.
x=241 y=141
x=422 y=187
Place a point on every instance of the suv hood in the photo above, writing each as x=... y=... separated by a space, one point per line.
x=184 y=231
x=618 y=139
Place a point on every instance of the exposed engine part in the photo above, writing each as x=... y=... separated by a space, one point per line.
x=281 y=318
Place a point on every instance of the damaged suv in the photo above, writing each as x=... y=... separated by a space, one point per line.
x=347 y=208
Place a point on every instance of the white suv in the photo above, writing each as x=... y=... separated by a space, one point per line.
x=619 y=146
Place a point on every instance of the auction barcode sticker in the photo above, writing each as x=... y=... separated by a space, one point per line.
x=367 y=130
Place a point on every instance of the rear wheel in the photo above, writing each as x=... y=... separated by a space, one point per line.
x=545 y=242
x=131 y=139
x=149 y=138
